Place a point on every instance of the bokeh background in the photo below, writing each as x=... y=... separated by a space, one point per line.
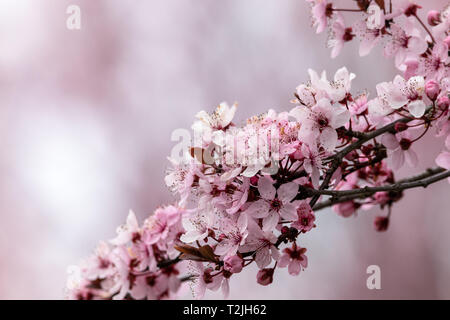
x=85 y=123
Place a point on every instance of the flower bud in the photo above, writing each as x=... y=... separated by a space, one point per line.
x=443 y=103
x=432 y=89
x=254 y=180
x=411 y=10
x=233 y=264
x=284 y=229
x=433 y=18
x=381 y=223
x=265 y=276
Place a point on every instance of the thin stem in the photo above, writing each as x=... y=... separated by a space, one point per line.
x=425 y=27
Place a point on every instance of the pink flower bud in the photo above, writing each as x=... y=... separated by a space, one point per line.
x=433 y=18
x=284 y=229
x=381 y=223
x=411 y=10
x=233 y=264
x=432 y=89
x=443 y=103
x=254 y=180
x=265 y=276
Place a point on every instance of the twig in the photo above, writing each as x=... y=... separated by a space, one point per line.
x=422 y=180
x=338 y=157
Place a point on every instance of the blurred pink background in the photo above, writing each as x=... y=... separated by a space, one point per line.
x=85 y=123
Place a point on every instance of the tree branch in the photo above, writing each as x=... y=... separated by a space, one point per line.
x=363 y=138
x=422 y=180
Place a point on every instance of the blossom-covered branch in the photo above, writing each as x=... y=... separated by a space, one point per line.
x=248 y=192
x=424 y=179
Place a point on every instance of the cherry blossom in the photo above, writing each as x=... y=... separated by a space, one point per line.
x=293 y=258
x=399 y=147
x=273 y=203
x=247 y=193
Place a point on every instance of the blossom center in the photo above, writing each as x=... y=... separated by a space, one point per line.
x=276 y=204
x=405 y=144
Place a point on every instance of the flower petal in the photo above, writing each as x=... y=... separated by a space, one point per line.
x=258 y=209
x=389 y=141
x=286 y=192
x=271 y=221
x=443 y=160
x=417 y=108
x=328 y=139
x=266 y=188
x=294 y=267
x=289 y=212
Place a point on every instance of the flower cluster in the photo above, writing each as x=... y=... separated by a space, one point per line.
x=248 y=193
x=134 y=264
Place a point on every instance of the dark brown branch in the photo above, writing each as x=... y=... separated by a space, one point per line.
x=422 y=180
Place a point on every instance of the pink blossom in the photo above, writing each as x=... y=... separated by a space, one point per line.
x=159 y=225
x=320 y=122
x=235 y=233
x=262 y=243
x=128 y=231
x=274 y=203
x=399 y=149
x=359 y=105
x=306 y=218
x=198 y=225
x=206 y=278
x=340 y=35
x=320 y=12
x=403 y=43
x=233 y=264
x=434 y=66
x=400 y=93
x=294 y=259
x=368 y=37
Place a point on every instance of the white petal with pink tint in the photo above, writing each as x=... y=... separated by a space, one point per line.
x=411 y=158
x=390 y=141
x=443 y=160
x=286 y=192
x=284 y=260
x=266 y=188
x=398 y=159
x=271 y=221
x=328 y=138
x=417 y=108
x=289 y=212
x=294 y=267
x=258 y=209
